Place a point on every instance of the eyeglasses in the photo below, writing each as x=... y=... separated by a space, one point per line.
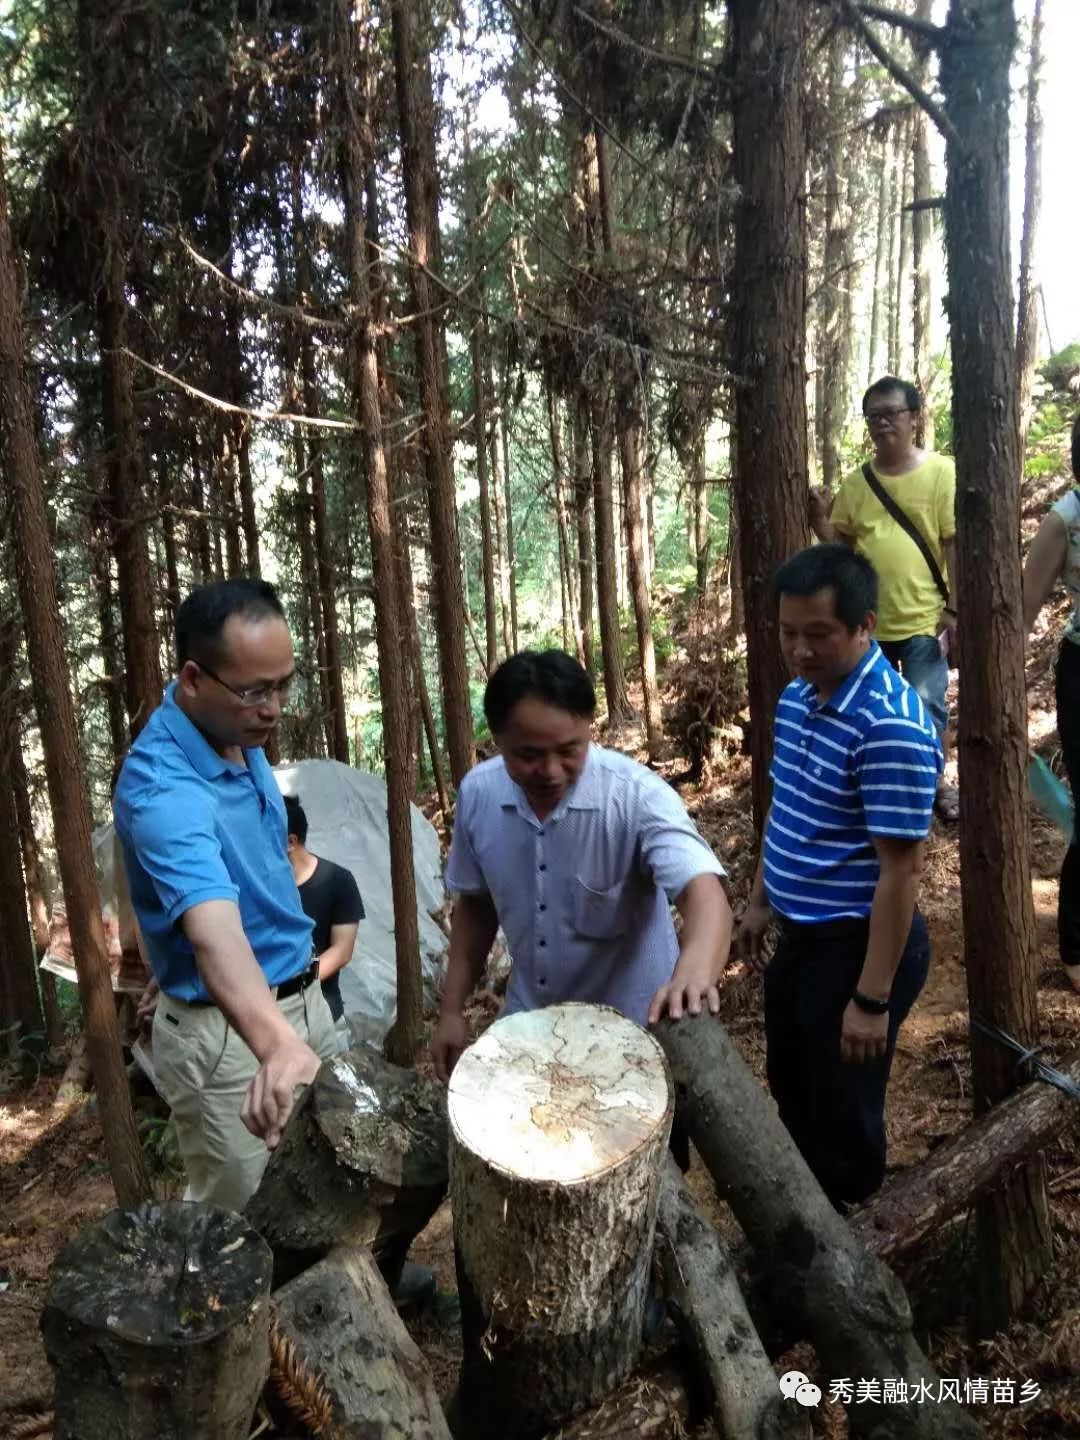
x=874 y=417
x=251 y=695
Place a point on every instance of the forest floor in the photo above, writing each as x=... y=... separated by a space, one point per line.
x=53 y=1180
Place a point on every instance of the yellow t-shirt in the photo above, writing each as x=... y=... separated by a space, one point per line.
x=910 y=602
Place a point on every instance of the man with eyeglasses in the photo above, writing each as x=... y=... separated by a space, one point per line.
x=241 y=1021
x=914 y=612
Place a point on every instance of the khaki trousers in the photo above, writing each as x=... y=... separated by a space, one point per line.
x=204 y=1070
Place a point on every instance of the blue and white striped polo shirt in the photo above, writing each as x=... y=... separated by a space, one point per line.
x=864 y=762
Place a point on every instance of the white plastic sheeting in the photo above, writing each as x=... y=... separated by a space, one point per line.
x=346 y=813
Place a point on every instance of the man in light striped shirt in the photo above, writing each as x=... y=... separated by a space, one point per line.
x=856 y=761
x=579 y=853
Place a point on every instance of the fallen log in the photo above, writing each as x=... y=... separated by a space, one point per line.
x=657 y=1403
x=363 y=1162
x=854 y=1310
x=156 y=1323
x=700 y=1283
x=344 y=1364
x=558 y=1121
x=918 y=1201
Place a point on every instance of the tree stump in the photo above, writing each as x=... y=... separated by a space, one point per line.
x=362 y=1161
x=343 y=1360
x=559 y=1120
x=156 y=1323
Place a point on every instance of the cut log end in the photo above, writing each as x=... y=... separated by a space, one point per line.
x=162 y=1275
x=559 y=1095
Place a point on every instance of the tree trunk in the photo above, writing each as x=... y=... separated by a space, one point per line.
x=362 y=1161
x=127 y=504
x=112 y=681
x=1027 y=316
x=922 y=234
x=630 y=425
x=879 y=310
x=38 y=896
x=500 y=507
x=343 y=1358
x=198 y=525
x=156 y=1322
x=699 y=491
x=769 y=290
x=567 y=566
x=392 y=627
x=619 y=711
x=999 y=932
x=225 y=491
x=582 y=497
x=480 y=429
x=20 y=1004
x=558 y=1119
x=917 y=1202
x=700 y=1282
x=836 y=280
x=338 y=731
x=511 y=551
x=899 y=305
x=59 y=733
x=412 y=74
x=896 y=200
x=853 y=1309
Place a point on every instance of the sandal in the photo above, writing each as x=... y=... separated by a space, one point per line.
x=947 y=804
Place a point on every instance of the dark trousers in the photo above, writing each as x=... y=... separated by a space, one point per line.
x=1067 y=677
x=835 y=1112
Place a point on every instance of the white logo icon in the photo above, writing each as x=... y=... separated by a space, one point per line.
x=794 y=1385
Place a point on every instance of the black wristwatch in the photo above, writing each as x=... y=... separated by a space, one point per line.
x=867 y=1003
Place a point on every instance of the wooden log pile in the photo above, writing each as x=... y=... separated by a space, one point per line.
x=161 y=1321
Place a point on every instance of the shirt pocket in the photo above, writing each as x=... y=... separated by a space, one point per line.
x=599 y=914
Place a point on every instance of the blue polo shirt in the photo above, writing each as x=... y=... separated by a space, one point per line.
x=865 y=762
x=195 y=827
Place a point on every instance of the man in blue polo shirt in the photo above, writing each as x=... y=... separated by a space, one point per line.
x=241 y=1021
x=855 y=767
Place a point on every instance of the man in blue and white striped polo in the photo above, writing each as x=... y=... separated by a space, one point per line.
x=855 y=766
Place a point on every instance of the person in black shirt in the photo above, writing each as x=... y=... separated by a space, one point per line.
x=331 y=898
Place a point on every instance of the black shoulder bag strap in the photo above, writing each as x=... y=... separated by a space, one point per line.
x=910 y=529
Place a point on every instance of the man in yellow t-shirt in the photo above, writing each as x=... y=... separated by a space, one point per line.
x=912 y=612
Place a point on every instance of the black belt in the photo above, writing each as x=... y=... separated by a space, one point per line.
x=295 y=986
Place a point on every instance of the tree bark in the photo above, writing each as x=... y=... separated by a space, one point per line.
x=20 y=1004
x=1014 y=1240
x=480 y=428
x=918 y=1201
x=362 y=1161
x=503 y=534
x=112 y=680
x=558 y=1120
x=700 y=1282
x=567 y=565
x=903 y=247
x=198 y=525
x=654 y=1404
x=392 y=629
x=412 y=74
x=338 y=731
x=895 y=289
x=619 y=712
x=769 y=290
x=853 y=1309
x=156 y=1322
x=127 y=504
x=586 y=559
x=59 y=733
x=922 y=233
x=630 y=425
x=343 y=1358
x=1027 y=315
x=877 y=306
x=835 y=280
